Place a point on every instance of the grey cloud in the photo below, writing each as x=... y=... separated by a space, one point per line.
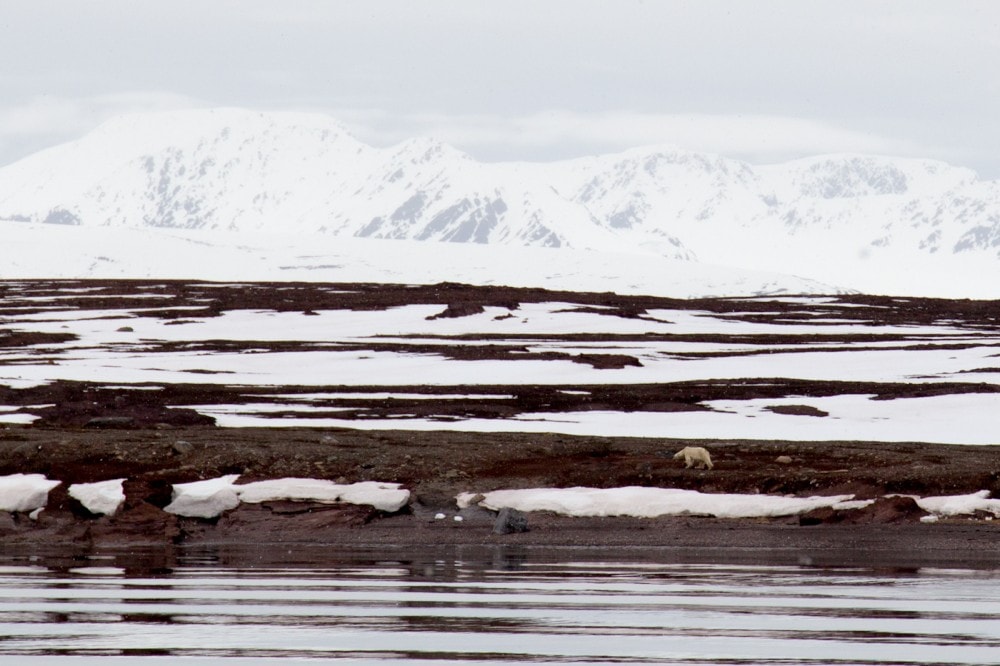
x=911 y=71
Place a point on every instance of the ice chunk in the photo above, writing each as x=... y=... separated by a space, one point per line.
x=103 y=498
x=25 y=492
x=204 y=499
x=383 y=496
x=953 y=505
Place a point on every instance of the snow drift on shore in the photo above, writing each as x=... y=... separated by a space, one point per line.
x=644 y=502
x=103 y=498
x=387 y=497
x=213 y=497
x=23 y=493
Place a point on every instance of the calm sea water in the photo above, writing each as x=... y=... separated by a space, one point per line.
x=485 y=608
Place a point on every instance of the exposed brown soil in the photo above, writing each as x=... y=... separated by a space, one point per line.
x=438 y=465
x=88 y=431
x=77 y=404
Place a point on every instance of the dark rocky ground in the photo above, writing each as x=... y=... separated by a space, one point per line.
x=89 y=432
x=438 y=465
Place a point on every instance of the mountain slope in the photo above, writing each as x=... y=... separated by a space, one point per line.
x=44 y=251
x=859 y=221
x=244 y=171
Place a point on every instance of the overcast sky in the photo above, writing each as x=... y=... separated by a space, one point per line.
x=536 y=80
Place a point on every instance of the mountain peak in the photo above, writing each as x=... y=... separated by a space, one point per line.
x=426 y=149
x=284 y=172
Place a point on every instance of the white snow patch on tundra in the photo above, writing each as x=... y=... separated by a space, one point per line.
x=643 y=502
x=25 y=492
x=204 y=499
x=953 y=505
x=383 y=496
x=102 y=498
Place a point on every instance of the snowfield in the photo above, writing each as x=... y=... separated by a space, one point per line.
x=44 y=251
x=803 y=368
x=230 y=194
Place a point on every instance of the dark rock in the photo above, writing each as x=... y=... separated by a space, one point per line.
x=882 y=511
x=182 y=447
x=895 y=510
x=822 y=516
x=7 y=522
x=27 y=449
x=455 y=310
x=285 y=521
x=141 y=523
x=797 y=410
x=126 y=329
x=607 y=361
x=510 y=521
x=118 y=414
x=110 y=422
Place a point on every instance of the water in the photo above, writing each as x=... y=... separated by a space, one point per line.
x=485 y=607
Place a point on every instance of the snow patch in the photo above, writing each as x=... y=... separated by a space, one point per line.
x=204 y=499
x=387 y=497
x=25 y=493
x=644 y=502
x=954 y=505
x=103 y=498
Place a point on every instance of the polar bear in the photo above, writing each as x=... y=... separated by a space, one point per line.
x=694 y=456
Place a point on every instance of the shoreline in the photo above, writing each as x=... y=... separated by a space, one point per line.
x=436 y=466
x=955 y=544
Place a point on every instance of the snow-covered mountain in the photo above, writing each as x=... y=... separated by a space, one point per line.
x=872 y=223
x=282 y=172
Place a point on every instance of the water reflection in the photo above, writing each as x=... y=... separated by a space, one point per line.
x=489 y=605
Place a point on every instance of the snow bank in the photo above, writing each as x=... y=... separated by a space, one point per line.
x=210 y=498
x=383 y=496
x=25 y=492
x=642 y=502
x=204 y=499
x=953 y=505
x=103 y=498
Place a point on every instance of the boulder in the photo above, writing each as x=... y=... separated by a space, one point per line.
x=510 y=521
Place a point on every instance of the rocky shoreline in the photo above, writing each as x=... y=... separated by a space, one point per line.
x=171 y=382
x=437 y=466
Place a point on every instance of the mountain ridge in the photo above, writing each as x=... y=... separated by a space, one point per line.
x=283 y=172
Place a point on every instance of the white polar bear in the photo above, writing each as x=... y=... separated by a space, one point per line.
x=694 y=456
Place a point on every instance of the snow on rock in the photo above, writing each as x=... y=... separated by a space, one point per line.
x=383 y=496
x=299 y=490
x=953 y=505
x=25 y=492
x=204 y=499
x=643 y=502
x=103 y=498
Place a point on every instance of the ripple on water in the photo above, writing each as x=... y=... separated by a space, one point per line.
x=426 y=607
